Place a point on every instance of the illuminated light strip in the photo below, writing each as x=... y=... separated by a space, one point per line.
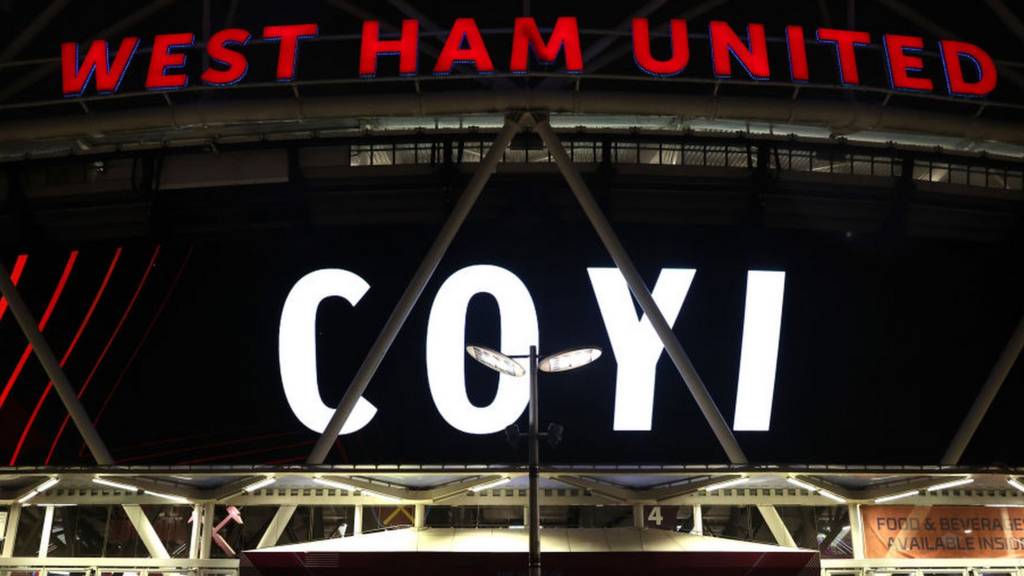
x=726 y=484
x=1016 y=484
x=899 y=496
x=490 y=485
x=67 y=354
x=351 y=488
x=44 y=486
x=171 y=497
x=42 y=325
x=797 y=482
x=103 y=353
x=812 y=488
x=832 y=496
x=1004 y=505
x=259 y=484
x=759 y=351
x=19 y=267
x=118 y=485
x=951 y=484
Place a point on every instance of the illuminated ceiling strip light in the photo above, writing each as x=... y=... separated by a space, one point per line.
x=892 y=497
x=1004 y=505
x=1016 y=484
x=832 y=496
x=490 y=485
x=800 y=483
x=951 y=484
x=351 y=488
x=42 y=487
x=113 y=484
x=812 y=488
x=726 y=484
x=259 y=484
x=170 y=497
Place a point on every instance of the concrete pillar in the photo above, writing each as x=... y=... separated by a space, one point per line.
x=638 y=515
x=357 y=520
x=11 y=531
x=856 y=532
x=698 y=520
x=419 y=517
x=44 y=537
x=206 y=512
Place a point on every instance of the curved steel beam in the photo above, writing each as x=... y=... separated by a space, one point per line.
x=210 y=118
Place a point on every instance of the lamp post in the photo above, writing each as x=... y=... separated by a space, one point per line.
x=560 y=362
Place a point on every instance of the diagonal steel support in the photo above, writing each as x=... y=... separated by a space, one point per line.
x=985 y=397
x=643 y=296
x=400 y=313
x=78 y=414
x=413 y=291
x=33 y=29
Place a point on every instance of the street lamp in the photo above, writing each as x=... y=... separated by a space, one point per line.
x=560 y=362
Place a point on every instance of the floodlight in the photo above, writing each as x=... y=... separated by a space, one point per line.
x=1016 y=484
x=496 y=361
x=569 y=359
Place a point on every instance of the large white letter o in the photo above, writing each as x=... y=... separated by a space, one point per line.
x=446 y=347
x=297 y=347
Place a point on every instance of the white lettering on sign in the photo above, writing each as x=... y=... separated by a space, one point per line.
x=635 y=343
x=446 y=347
x=762 y=324
x=297 y=347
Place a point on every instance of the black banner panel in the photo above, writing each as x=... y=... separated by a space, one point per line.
x=817 y=348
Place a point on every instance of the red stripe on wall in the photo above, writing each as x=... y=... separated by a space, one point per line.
x=67 y=354
x=106 y=347
x=19 y=267
x=42 y=325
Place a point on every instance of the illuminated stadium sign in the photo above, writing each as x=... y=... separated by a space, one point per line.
x=636 y=346
x=964 y=68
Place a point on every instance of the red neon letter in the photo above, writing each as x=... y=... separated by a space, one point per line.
x=797 y=47
x=953 y=53
x=236 y=64
x=642 y=48
x=373 y=46
x=901 y=58
x=526 y=36
x=725 y=42
x=464 y=31
x=845 y=41
x=97 y=61
x=162 y=58
x=288 y=55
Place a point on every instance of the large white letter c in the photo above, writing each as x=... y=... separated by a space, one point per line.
x=297 y=347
